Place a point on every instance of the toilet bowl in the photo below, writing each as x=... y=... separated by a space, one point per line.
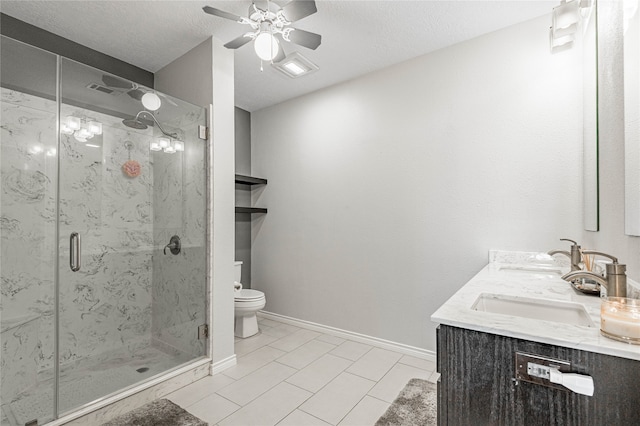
x=247 y=303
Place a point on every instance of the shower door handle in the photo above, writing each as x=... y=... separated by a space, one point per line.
x=74 y=251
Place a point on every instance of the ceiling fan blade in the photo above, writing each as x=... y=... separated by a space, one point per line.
x=167 y=99
x=298 y=9
x=136 y=94
x=238 y=42
x=221 y=13
x=305 y=38
x=118 y=83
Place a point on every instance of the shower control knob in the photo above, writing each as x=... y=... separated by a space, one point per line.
x=174 y=245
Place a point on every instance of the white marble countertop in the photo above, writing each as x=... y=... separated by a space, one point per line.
x=502 y=276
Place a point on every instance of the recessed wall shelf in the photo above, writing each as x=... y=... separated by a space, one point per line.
x=250 y=210
x=250 y=180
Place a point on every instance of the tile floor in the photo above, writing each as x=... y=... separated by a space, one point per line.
x=288 y=375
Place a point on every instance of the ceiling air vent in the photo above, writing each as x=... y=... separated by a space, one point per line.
x=103 y=89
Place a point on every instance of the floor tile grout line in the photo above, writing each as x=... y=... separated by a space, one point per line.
x=411 y=365
x=249 y=402
x=224 y=397
x=312 y=394
x=382 y=400
x=298 y=408
x=324 y=386
x=286 y=415
x=369 y=378
x=355 y=405
x=353 y=360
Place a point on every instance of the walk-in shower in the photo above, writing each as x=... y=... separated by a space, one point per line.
x=92 y=302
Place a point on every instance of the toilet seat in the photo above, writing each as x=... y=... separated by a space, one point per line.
x=248 y=295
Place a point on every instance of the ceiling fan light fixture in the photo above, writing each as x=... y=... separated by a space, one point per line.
x=151 y=101
x=266 y=46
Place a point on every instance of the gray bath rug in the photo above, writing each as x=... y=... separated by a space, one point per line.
x=161 y=412
x=416 y=405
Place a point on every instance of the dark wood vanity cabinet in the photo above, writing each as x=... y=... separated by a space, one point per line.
x=477 y=384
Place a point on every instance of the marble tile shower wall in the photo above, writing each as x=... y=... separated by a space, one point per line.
x=27 y=235
x=179 y=285
x=109 y=304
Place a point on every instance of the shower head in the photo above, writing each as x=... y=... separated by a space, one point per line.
x=134 y=123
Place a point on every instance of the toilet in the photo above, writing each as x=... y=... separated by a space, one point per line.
x=247 y=303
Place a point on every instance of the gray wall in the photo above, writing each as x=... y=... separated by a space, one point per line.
x=204 y=76
x=386 y=192
x=611 y=238
x=243 y=193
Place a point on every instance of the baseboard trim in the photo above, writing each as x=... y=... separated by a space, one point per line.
x=357 y=337
x=219 y=366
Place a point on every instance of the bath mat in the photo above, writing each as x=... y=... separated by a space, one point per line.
x=161 y=412
x=416 y=405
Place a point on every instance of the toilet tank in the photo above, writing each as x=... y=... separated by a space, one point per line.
x=238 y=271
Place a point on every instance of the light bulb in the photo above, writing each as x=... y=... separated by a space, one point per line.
x=73 y=123
x=84 y=133
x=179 y=146
x=95 y=127
x=170 y=150
x=164 y=142
x=151 y=101
x=64 y=129
x=155 y=146
x=36 y=149
x=266 y=46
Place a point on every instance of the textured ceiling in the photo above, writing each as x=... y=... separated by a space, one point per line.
x=358 y=37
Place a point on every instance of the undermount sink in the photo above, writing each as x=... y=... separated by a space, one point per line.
x=532 y=268
x=540 y=309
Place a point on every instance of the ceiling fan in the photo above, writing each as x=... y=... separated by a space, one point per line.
x=271 y=24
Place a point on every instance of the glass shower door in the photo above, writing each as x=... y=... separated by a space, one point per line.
x=129 y=305
x=95 y=294
x=28 y=187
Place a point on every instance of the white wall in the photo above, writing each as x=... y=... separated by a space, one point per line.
x=386 y=192
x=204 y=76
x=243 y=193
x=611 y=238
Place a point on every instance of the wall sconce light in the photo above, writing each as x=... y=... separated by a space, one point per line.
x=82 y=129
x=166 y=145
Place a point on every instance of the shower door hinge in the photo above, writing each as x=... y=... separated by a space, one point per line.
x=203 y=132
x=203 y=332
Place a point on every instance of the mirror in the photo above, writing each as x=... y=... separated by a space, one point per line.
x=590 y=118
x=631 y=27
